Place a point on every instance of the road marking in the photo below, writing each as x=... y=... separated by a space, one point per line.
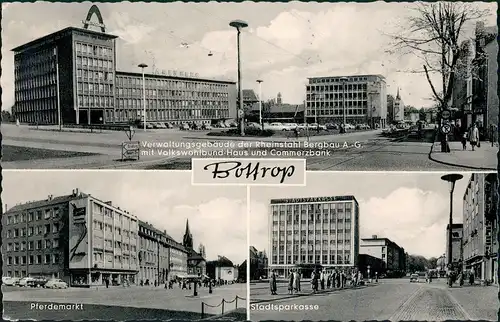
x=402 y=307
x=459 y=306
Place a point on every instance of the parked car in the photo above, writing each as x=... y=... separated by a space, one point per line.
x=276 y=127
x=362 y=127
x=290 y=126
x=414 y=278
x=148 y=125
x=206 y=127
x=10 y=281
x=37 y=282
x=331 y=126
x=161 y=125
x=56 y=283
x=184 y=127
x=23 y=282
x=195 y=126
x=169 y=125
x=302 y=126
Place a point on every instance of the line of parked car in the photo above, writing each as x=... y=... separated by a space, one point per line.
x=186 y=126
x=276 y=126
x=54 y=283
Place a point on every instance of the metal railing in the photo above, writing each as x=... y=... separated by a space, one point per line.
x=221 y=304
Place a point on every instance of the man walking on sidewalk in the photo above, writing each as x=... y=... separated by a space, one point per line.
x=474 y=136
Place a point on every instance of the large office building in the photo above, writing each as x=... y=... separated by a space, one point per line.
x=480 y=226
x=70 y=76
x=363 y=97
x=76 y=237
x=388 y=251
x=320 y=231
x=79 y=238
x=456 y=242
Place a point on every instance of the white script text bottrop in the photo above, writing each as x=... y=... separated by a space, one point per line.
x=254 y=171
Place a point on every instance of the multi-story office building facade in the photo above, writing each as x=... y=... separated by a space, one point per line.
x=363 y=97
x=70 y=76
x=456 y=242
x=75 y=237
x=391 y=253
x=313 y=231
x=480 y=226
x=177 y=99
x=70 y=73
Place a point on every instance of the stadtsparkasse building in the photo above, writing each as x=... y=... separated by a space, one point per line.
x=74 y=71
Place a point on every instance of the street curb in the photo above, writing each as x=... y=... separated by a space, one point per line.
x=454 y=164
x=310 y=294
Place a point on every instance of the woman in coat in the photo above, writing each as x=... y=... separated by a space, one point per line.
x=291 y=282
x=474 y=137
x=272 y=283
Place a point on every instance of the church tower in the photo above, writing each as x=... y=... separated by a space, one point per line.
x=187 y=240
x=279 y=99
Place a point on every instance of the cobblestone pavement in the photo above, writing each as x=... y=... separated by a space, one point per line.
x=137 y=297
x=393 y=300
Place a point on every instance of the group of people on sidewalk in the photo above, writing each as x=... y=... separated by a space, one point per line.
x=320 y=279
x=471 y=135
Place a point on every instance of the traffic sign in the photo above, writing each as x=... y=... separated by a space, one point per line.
x=241 y=113
x=446 y=128
x=446 y=114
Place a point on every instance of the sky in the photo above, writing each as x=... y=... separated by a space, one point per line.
x=411 y=209
x=166 y=199
x=284 y=44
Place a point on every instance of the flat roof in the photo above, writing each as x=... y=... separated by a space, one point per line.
x=59 y=32
x=347 y=76
x=159 y=76
x=312 y=199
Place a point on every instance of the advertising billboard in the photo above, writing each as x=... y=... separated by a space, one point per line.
x=79 y=226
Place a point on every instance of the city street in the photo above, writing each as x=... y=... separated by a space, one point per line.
x=26 y=148
x=120 y=303
x=390 y=299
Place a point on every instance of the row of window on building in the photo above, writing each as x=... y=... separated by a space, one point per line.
x=173 y=103
x=95 y=101
x=25 y=66
x=194 y=85
x=306 y=248
x=94 y=50
x=47 y=92
x=46 y=214
x=115 y=260
x=93 y=63
x=169 y=93
x=32 y=230
x=36 y=81
x=314 y=259
x=108 y=228
x=33 y=245
x=338 y=88
x=33 y=259
x=337 y=79
x=350 y=112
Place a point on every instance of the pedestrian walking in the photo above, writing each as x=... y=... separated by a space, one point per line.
x=290 y=282
x=376 y=277
x=106 y=281
x=272 y=283
x=474 y=136
x=297 y=279
x=322 y=280
x=464 y=141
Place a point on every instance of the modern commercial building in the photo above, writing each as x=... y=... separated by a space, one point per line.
x=391 y=253
x=71 y=74
x=480 y=226
x=456 y=242
x=76 y=237
x=363 y=97
x=196 y=264
x=320 y=231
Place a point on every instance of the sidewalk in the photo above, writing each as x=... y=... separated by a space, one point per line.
x=481 y=302
x=483 y=158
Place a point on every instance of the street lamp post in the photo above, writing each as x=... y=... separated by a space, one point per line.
x=260 y=103
x=142 y=66
x=451 y=179
x=344 y=117
x=239 y=24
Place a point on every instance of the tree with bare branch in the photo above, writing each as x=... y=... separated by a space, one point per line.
x=434 y=33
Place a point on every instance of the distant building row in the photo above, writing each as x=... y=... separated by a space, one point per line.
x=86 y=241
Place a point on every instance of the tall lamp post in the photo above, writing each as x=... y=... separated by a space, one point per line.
x=239 y=24
x=142 y=66
x=344 y=117
x=451 y=179
x=260 y=103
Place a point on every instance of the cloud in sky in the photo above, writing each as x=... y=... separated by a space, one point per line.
x=284 y=44
x=411 y=209
x=166 y=199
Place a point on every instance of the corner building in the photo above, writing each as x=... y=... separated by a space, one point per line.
x=75 y=237
x=313 y=231
x=74 y=71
